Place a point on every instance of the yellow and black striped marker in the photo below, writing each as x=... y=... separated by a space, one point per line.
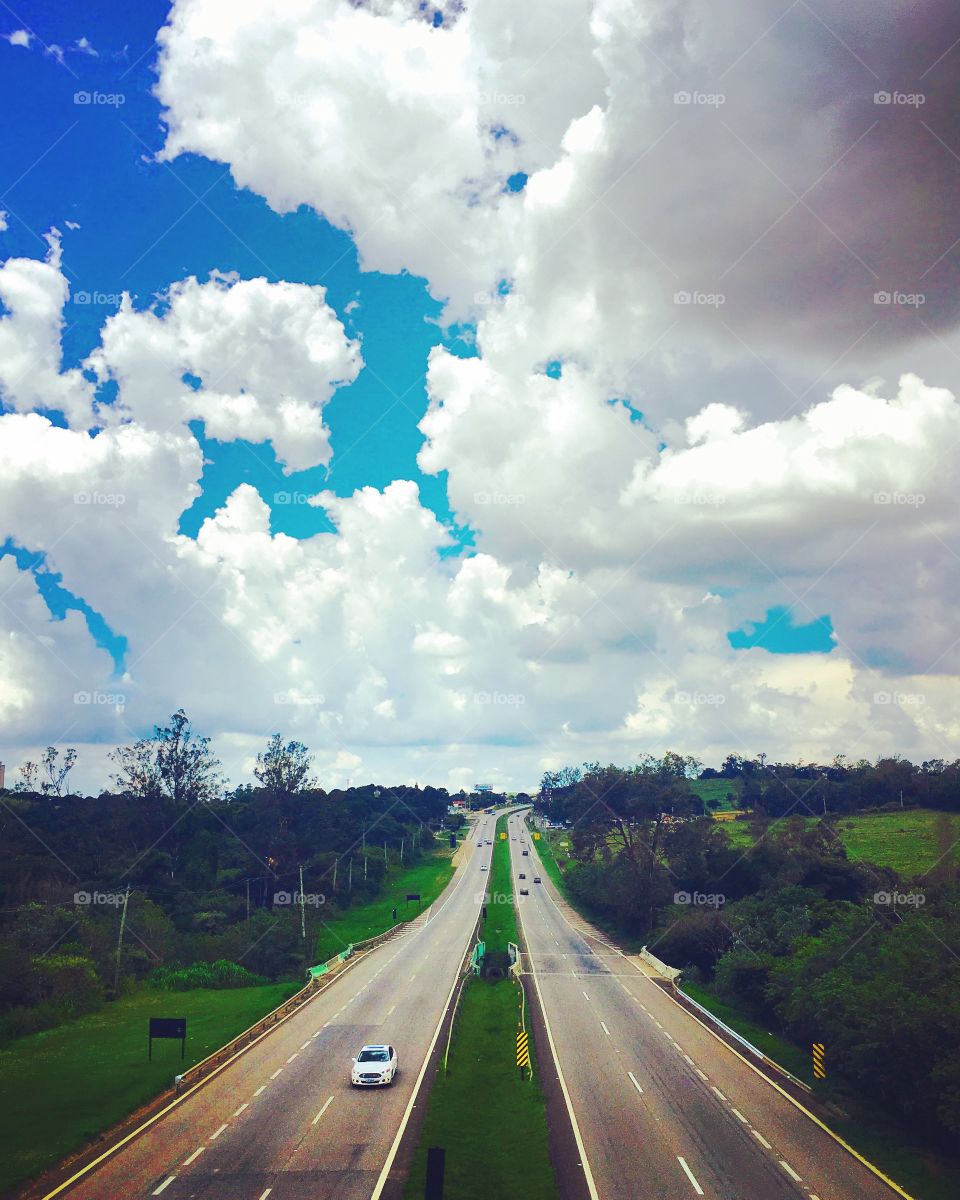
x=523 y=1049
x=819 y=1066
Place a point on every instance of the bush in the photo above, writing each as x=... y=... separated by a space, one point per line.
x=219 y=974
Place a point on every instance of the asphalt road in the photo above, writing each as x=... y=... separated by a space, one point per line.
x=664 y=1109
x=283 y=1122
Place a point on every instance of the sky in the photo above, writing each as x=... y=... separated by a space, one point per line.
x=471 y=389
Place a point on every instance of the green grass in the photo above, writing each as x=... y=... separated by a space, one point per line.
x=548 y=857
x=789 y=1056
x=908 y=841
x=61 y=1087
x=428 y=877
x=500 y=925
x=492 y=1125
x=717 y=789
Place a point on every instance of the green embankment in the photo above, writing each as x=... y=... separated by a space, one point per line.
x=492 y=1126
x=64 y=1086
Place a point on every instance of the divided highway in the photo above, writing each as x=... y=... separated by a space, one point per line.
x=665 y=1110
x=282 y=1122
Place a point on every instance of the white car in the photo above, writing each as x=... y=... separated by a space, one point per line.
x=374 y=1066
x=483 y=866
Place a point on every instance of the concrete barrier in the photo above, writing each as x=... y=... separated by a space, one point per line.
x=671 y=973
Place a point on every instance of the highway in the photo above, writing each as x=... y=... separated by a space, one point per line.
x=283 y=1122
x=664 y=1109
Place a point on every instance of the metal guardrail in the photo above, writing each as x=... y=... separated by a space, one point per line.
x=743 y=1041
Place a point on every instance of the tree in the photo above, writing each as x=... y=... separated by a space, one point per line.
x=285 y=770
x=28 y=777
x=175 y=763
x=57 y=772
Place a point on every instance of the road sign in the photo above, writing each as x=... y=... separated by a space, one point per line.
x=819 y=1067
x=523 y=1049
x=413 y=896
x=536 y=836
x=167 y=1027
x=503 y=837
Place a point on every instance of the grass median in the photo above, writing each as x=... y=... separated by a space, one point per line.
x=492 y=1125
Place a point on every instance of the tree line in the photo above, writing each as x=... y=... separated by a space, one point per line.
x=790 y=929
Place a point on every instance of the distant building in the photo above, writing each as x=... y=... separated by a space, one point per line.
x=483 y=787
x=3 y=775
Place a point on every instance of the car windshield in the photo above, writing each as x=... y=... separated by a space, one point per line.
x=373 y=1056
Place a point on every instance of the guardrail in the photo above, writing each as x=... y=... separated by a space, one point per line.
x=318 y=975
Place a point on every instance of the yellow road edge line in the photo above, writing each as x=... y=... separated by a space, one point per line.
x=756 y=1070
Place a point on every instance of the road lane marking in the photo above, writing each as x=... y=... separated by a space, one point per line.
x=389 y=1011
x=761 y=1139
x=214 y=1136
x=739 y=1115
x=166 y=1183
x=634 y=1082
x=276 y=1073
x=195 y=1154
x=789 y=1170
x=719 y=1093
x=413 y=977
x=265 y=1194
x=690 y=1175
x=306 y=1044
x=322 y=1111
x=293 y=1056
x=585 y=996
x=689 y=1059
x=700 y=1073
x=260 y=1089
x=605 y=1029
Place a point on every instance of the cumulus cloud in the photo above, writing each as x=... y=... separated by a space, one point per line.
x=249 y=358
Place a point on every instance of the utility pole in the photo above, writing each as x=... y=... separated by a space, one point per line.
x=248 y=899
x=335 y=861
x=384 y=853
x=364 y=868
x=123 y=922
x=303 y=917
x=350 y=876
x=401 y=851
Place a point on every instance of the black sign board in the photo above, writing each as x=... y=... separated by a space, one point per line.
x=413 y=896
x=168 y=1027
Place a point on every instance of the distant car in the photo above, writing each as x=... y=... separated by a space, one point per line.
x=536 y=879
x=489 y=843
x=483 y=866
x=526 y=853
x=374 y=1066
x=524 y=892
x=522 y=875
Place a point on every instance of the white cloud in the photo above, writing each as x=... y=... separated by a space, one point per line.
x=19 y=37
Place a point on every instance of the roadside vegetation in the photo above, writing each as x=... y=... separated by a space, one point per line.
x=60 y=1088
x=492 y=1125
x=831 y=926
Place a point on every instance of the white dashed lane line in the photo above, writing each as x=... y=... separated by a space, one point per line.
x=690 y=1175
x=739 y=1115
x=761 y=1139
x=605 y=1029
x=322 y=1111
x=719 y=1093
x=166 y=1183
x=306 y=1044
x=790 y=1171
x=240 y=1110
x=265 y=1194
x=700 y=1073
x=262 y=1088
x=634 y=1082
x=276 y=1073
x=214 y=1136
x=196 y=1154
x=292 y=1057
